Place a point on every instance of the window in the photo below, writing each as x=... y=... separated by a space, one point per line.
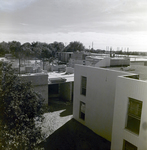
x=134 y=115
x=83 y=85
x=82 y=110
x=129 y=146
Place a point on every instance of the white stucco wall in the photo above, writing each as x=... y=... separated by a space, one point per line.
x=136 y=89
x=99 y=99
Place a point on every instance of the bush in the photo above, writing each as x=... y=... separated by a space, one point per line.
x=20 y=106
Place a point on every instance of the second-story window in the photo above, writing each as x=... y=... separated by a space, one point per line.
x=134 y=115
x=83 y=85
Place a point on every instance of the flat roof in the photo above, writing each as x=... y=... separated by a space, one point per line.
x=54 y=75
x=33 y=74
x=95 y=57
x=141 y=72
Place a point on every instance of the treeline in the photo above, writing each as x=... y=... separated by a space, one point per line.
x=37 y=49
x=42 y=50
x=34 y=49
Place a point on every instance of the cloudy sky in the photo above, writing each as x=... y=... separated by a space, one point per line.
x=113 y=23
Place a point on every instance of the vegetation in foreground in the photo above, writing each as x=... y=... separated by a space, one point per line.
x=20 y=108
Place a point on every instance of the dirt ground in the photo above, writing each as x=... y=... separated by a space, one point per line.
x=65 y=133
x=59 y=112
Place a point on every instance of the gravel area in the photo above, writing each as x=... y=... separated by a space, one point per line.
x=62 y=132
x=59 y=113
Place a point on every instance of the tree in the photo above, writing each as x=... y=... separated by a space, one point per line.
x=74 y=46
x=56 y=47
x=15 y=48
x=20 y=106
x=45 y=54
x=26 y=49
x=4 y=48
x=37 y=49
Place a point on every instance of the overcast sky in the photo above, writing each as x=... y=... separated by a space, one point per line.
x=115 y=23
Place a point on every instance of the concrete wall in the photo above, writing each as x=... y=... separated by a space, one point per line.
x=119 y=62
x=39 y=82
x=108 y=61
x=136 y=89
x=99 y=99
x=69 y=70
x=66 y=91
x=73 y=62
x=58 y=67
x=103 y=63
x=78 y=55
x=91 y=60
x=64 y=56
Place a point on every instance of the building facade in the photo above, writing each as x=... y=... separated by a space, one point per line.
x=94 y=98
x=64 y=56
x=129 y=119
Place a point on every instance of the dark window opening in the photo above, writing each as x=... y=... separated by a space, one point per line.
x=83 y=85
x=129 y=146
x=134 y=115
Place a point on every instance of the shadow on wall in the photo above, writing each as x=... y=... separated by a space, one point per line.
x=75 y=136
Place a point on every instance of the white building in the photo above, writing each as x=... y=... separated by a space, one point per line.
x=138 y=60
x=113 y=104
x=113 y=62
x=129 y=119
x=94 y=95
x=77 y=58
x=97 y=60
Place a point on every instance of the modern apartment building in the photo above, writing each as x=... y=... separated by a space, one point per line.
x=94 y=98
x=129 y=130
x=113 y=104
